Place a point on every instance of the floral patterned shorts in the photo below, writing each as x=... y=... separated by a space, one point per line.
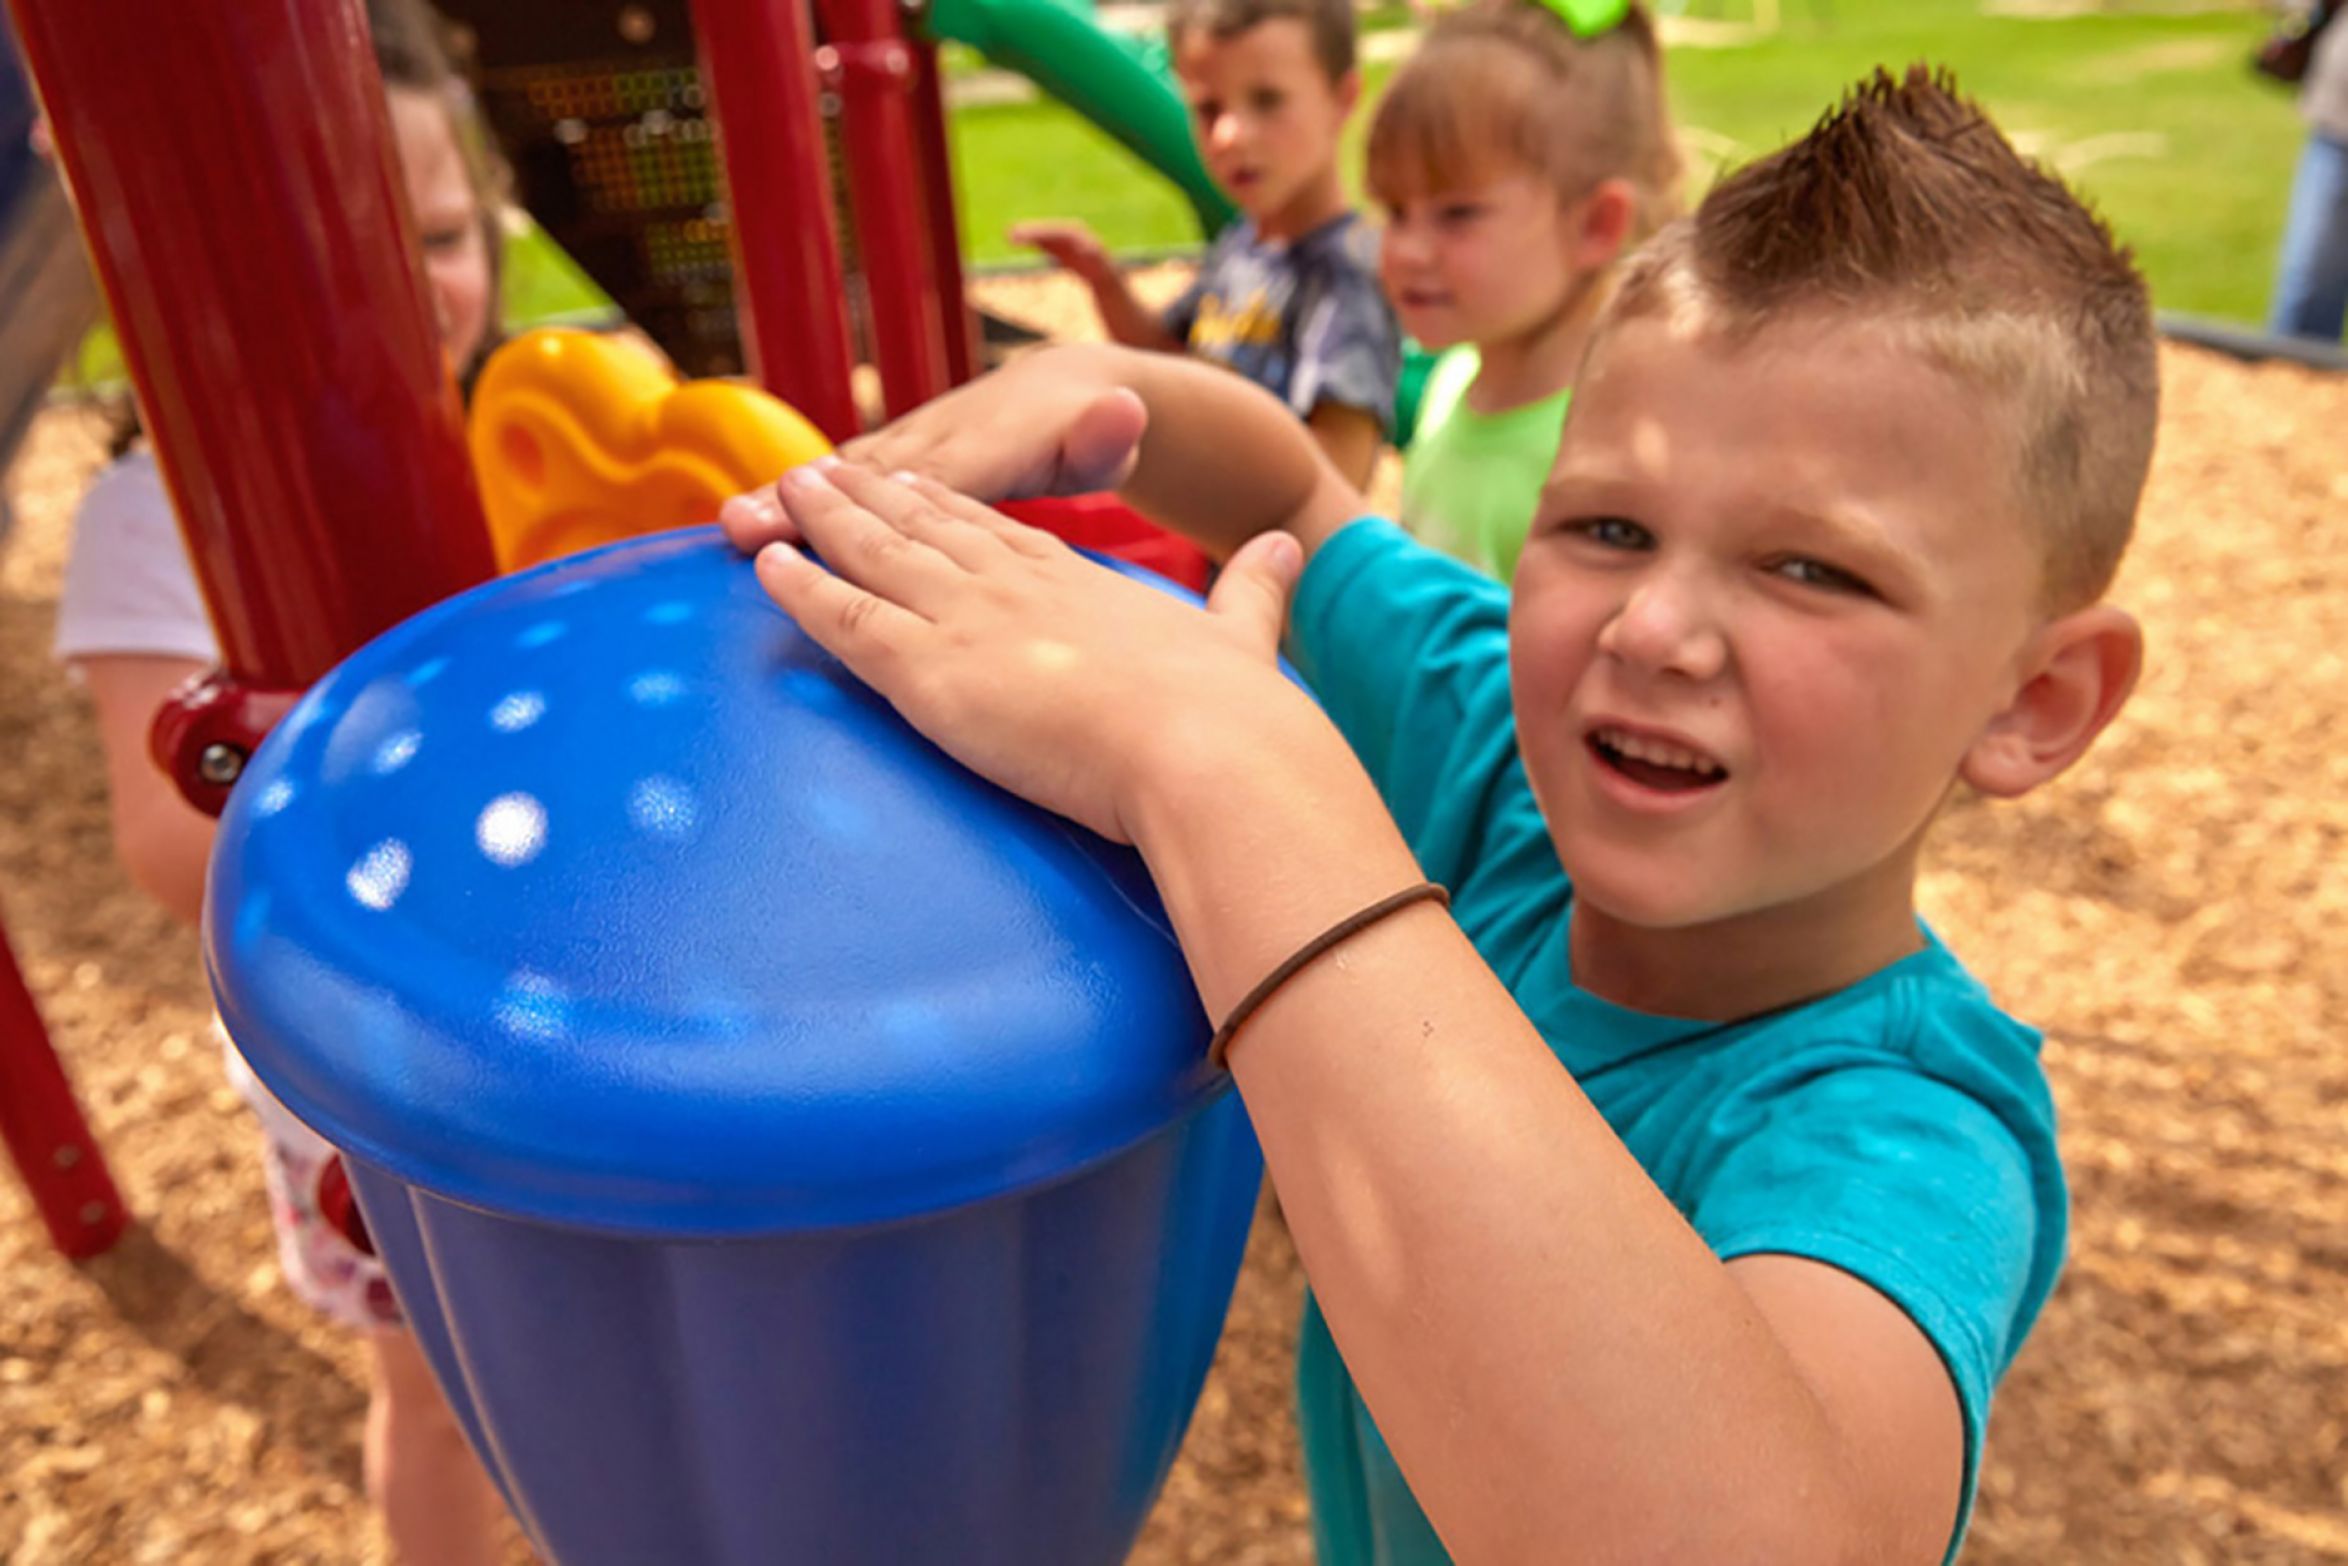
x=322 y=1266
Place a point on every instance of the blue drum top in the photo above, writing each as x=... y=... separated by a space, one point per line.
x=602 y=895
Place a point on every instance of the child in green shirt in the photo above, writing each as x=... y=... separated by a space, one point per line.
x=1519 y=154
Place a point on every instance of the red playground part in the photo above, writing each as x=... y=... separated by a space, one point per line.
x=244 y=210
x=758 y=62
x=1106 y=524
x=46 y=1134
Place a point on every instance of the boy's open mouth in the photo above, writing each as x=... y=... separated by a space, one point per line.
x=1653 y=763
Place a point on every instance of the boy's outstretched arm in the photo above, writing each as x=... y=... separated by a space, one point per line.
x=1559 y=1363
x=1197 y=448
x=1350 y=438
x=1075 y=249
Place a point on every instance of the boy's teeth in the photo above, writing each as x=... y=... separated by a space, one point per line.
x=1658 y=753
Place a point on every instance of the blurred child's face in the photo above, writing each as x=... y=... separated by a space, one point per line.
x=1482 y=264
x=1266 y=115
x=448 y=220
x=1773 y=595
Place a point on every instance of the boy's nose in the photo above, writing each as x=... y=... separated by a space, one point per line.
x=1665 y=627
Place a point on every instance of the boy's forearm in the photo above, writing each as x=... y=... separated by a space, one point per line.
x=1124 y=317
x=1548 y=1347
x=1221 y=459
x=1351 y=438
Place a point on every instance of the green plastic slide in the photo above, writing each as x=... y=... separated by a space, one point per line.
x=1123 y=85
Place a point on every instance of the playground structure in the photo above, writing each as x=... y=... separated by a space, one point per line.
x=578 y=438
x=304 y=419
x=605 y=115
x=366 y=512
x=2184 y=1387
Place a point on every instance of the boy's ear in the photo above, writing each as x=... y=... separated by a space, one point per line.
x=1349 y=92
x=2080 y=674
x=1602 y=223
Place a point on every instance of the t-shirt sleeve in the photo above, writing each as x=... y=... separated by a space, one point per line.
x=1348 y=349
x=129 y=590
x=1407 y=650
x=1915 y=1187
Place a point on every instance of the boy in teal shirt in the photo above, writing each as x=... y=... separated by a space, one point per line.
x=1679 y=1197
x=1759 y=1128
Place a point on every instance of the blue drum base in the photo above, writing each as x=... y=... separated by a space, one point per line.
x=916 y=1394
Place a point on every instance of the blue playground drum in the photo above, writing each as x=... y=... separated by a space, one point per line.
x=787 y=1146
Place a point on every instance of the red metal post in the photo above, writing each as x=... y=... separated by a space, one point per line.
x=234 y=170
x=44 y=1129
x=758 y=58
x=875 y=70
x=945 y=234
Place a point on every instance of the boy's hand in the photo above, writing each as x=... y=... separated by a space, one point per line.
x=1062 y=681
x=1047 y=424
x=1070 y=245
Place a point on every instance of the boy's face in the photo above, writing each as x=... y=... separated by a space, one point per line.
x=1266 y=115
x=1773 y=595
x=1487 y=263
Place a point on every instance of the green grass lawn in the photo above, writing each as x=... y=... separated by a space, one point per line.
x=2154 y=116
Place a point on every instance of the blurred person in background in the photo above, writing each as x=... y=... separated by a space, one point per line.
x=2311 y=281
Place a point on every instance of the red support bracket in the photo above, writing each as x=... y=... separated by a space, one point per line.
x=207 y=730
x=886 y=64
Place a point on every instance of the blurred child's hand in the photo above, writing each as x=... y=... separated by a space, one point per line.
x=1076 y=687
x=1071 y=246
x=1047 y=424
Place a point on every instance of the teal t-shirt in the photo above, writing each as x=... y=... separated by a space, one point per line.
x=1900 y=1130
x=1471 y=481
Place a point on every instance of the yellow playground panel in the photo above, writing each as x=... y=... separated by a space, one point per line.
x=581 y=438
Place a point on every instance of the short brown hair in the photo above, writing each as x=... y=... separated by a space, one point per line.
x=1329 y=21
x=1908 y=207
x=1501 y=84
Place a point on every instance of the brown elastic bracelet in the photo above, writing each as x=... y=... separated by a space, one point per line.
x=1219 y=1047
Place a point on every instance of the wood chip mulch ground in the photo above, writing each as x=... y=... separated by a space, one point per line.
x=2175 y=914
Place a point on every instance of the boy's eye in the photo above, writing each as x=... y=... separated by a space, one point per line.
x=1206 y=111
x=1456 y=214
x=1610 y=532
x=1266 y=100
x=1817 y=573
x=446 y=241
